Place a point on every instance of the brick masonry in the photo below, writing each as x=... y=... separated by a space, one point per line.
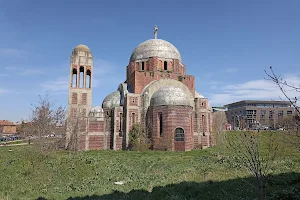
x=143 y=78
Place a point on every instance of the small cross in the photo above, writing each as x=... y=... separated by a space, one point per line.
x=155 y=32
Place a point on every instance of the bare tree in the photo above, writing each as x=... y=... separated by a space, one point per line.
x=256 y=154
x=76 y=126
x=284 y=87
x=219 y=127
x=291 y=124
x=47 y=124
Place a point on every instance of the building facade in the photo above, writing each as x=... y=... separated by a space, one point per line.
x=251 y=113
x=7 y=127
x=157 y=94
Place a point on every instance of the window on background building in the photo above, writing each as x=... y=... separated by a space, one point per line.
x=262 y=114
x=271 y=112
x=179 y=135
x=289 y=112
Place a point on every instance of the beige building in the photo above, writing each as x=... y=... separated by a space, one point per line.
x=7 y=127
x=251 y=113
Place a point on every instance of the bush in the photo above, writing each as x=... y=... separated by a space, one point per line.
x=138 y=139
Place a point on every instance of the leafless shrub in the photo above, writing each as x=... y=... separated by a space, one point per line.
x=256 y=154
x=47 y=124
x=218 y=126
x=290 y=124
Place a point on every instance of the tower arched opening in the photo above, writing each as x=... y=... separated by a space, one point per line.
x=81 y=77
x=74 y=78
x=88 y=79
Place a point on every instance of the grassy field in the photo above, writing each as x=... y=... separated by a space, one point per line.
x=201 y=174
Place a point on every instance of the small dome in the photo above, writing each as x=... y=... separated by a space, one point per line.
x=155 y=48
x=82 y=47
x=112 y=100
x=198 y=95
x=170 y=96
x=96 y=109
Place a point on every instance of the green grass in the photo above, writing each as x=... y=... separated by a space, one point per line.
x=200 y=174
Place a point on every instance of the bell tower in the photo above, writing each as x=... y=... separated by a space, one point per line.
x=80 y=87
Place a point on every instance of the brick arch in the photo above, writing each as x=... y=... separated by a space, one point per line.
x=179 y=128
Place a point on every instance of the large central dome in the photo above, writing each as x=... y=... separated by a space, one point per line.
x=155 y=48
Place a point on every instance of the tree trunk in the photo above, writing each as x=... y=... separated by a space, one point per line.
x=261 y=190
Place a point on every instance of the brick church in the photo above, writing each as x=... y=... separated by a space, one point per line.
x=157 y=94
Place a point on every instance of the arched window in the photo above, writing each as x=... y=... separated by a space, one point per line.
x=143 y=66
x=121 y=125
x=121 y=122
x=160 y=118
x=81 y=77
x=133 y=118
x=203 y=125
x=165 y=65
x=74 y=78
x=179 y=135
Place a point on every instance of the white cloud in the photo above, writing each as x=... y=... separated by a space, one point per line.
x=25 y=71
x=254 y=90
x=59 y=85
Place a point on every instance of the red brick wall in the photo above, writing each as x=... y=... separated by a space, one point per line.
x=84 y=98
x=108 y=141
x=119 y=143
x=130 y=112
x=203 y=125
x=97 y=126
x=73 y=112
x=133 y=101
x=202 y=103
x=74 y=98
x=82 y=142
x=139 y=80
x=96 y=142
x=154 y=70
x=173 y=117
x=204 y=141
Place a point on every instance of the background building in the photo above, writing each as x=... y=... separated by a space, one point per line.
x=157 y=93
x=252 y=113
x=7 y=127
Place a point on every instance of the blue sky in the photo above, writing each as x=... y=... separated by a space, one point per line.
x=226 y=45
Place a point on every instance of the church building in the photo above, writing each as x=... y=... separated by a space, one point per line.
x=157 y=94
